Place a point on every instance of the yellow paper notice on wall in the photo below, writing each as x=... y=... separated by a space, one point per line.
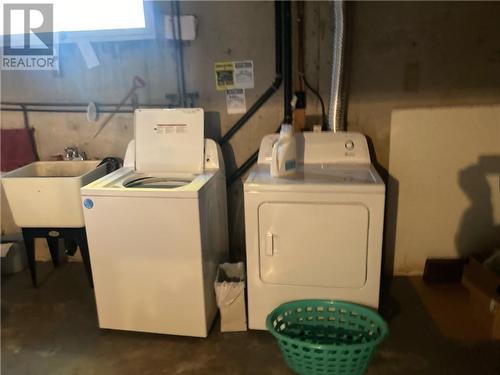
x=224 y=76
x=234 y=75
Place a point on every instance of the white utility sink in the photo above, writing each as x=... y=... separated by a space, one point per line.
x=46 y=194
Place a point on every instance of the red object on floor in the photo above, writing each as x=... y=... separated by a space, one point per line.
x=17 y=149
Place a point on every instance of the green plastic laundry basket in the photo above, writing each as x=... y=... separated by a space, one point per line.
x=319 y=337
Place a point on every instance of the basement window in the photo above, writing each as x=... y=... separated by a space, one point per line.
x=88 y=20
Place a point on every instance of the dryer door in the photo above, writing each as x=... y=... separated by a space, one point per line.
x=313 y=244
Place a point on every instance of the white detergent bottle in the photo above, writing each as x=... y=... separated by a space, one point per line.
x=284 y=154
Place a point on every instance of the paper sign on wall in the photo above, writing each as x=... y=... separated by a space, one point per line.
x=235 y=101
x=224 y=76
x=243 y=74
x=234 y=75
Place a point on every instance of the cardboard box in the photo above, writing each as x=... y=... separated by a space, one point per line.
x=230 y=293
x=484 y=288
x=13 y=258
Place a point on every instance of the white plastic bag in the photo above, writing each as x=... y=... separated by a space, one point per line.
x=230 y=294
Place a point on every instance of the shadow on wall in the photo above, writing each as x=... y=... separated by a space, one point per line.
x=389 y=306
x=235 y=208
x=390 y=222
x=212 y=128
x=478 y=233
x=391 y=202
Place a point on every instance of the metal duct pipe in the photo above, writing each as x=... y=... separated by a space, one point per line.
x=336 y=115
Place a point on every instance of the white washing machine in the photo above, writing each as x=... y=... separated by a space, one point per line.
x=317 y=234
x=157 y=228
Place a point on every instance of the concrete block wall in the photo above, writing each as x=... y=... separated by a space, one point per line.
x=401 y=54
x=419 y=54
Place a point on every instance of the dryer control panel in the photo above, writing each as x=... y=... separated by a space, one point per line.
x=322 y=148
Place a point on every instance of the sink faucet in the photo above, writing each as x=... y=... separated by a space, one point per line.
x=72 y=153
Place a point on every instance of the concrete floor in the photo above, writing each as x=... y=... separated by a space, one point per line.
x=53 y=330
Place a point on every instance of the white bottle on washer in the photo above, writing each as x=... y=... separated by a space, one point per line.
x=284 y=153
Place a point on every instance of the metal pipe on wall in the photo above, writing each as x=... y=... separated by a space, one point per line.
x=277 y=80
x=179 y=51
x=30 y=132
x=301 y=63
x=68 y=107
x=336 y=112
x=285 y=21
x=71 y=110
x=243 y=168
x=45 y=104
x=62 y=110
x=287 y=43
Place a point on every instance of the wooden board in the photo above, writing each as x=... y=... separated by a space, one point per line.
x=443 y=194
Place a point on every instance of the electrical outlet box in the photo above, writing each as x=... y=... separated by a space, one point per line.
x=188 y=27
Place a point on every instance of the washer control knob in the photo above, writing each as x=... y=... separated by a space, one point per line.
x=349 y=145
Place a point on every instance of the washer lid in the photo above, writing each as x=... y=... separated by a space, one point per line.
x=324 y=177
x=169 y=140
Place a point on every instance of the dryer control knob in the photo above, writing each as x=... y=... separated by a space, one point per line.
x=349 y=145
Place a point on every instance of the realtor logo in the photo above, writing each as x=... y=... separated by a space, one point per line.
x=28 y=37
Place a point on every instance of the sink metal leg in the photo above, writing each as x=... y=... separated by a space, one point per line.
x=53 y=243
x=76 y=236
x=29 y=244
x=84 y=251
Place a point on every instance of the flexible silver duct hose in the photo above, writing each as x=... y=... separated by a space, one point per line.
x=336 y=108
